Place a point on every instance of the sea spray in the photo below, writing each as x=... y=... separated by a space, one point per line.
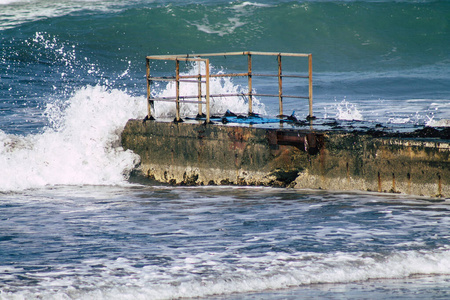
x=82 y=147
x=348 y=111
x=344 y=110
x=438 y=123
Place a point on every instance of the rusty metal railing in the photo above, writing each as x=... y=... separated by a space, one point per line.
x=205 y=78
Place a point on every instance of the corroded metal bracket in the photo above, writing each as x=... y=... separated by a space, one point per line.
x=309 y=142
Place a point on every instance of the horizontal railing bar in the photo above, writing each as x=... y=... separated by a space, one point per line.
x=193 y=81
x=295 y=76
x=224 y=75
x=162 y=78
x=264 y=75
x=173 y=57
x=180 y=97
x=278 y=95
x=226 y=95
x=281 y=54
x=298 y=97
x=203 y=96
x=276 y=75
x=222 y=54
x=196 y=76
x=191 y=76
x=173 y=99
x=215 y=75
x=174 y=78
x=229 y=75
x=177 y=57
x=197 y=55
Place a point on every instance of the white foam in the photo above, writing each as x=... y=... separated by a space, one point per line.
x=6 y=2
x=83 y=147
x=16 y=12
x=241 y=12
x=438 y=123
x=208 y=274
x=345 y=110
x=390 y=111
x=220 y=29
x=399 y=120
x=255 y=4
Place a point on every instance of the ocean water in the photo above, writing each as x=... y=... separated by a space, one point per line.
x=75 y=223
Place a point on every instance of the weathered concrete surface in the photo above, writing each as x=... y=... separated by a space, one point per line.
x=195 y=154
x=355 y=161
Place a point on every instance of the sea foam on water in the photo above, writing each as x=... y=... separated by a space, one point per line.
x=241 y=274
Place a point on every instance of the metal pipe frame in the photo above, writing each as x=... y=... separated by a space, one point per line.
x=199 y=80
x=310 y=91
x=178 y=78
x=150 y=103
x=280 y=87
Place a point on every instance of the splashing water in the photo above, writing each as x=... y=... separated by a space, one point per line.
x=82 y=147
x=85 y=113
x=348 y=111
x=437 y=123
x=345 y=111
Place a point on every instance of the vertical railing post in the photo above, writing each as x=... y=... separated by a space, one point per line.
x=149 y=102
x=310 y=93
x=207 y=90
x=280 y=86
x=177 y=88
x=200 y=109
x=250 y=100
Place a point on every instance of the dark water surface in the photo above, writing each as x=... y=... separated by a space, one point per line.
x=164 y=242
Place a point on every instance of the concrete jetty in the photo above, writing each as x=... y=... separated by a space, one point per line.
x=296 y=155
x=198 y=153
